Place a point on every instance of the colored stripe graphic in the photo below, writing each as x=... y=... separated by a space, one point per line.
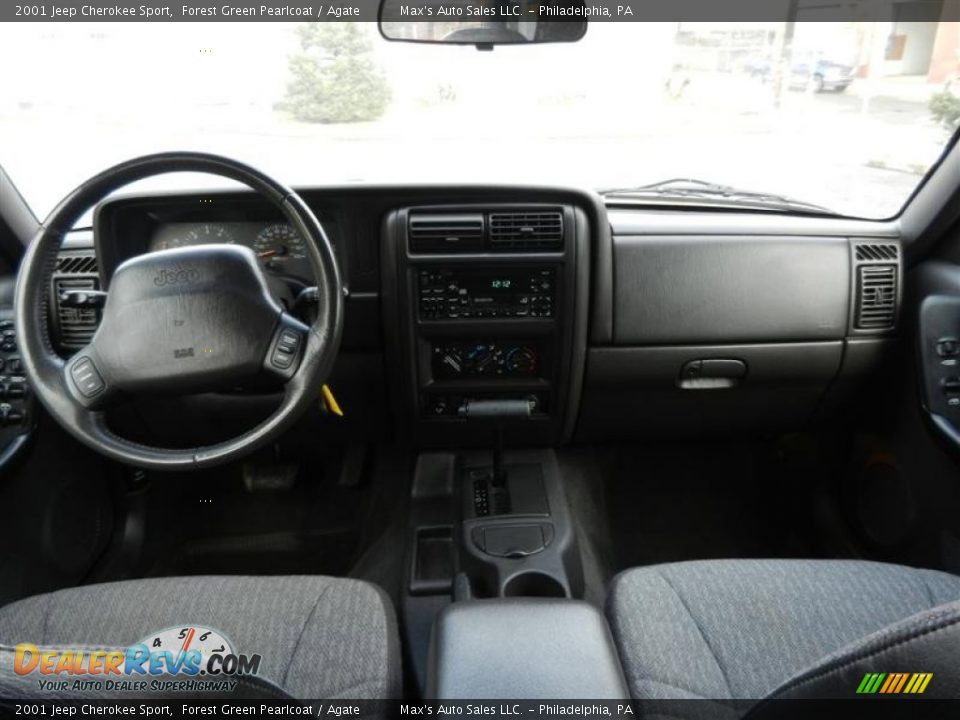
x=894 y=683
x=903 y=680
x=870 y=683
x=918 y=683
x=892 y=679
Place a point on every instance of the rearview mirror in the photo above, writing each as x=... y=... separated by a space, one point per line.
x=483 y=23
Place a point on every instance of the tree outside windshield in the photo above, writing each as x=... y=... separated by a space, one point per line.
x=846 y=115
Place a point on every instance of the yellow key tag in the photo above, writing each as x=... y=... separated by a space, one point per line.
x=329 y=401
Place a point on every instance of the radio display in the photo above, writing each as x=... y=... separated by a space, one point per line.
x=478 y=283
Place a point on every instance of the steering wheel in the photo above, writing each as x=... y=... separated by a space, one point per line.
x=179 y=321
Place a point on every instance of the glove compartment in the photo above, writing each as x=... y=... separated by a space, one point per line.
x=718 y=334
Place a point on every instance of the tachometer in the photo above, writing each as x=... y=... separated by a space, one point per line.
x=277 y=244
x=207 y=233
x=183 y=234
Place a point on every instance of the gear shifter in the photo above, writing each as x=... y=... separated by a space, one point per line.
x=496 y=411
x=498 y=475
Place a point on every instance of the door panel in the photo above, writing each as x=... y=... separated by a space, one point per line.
x=937 y=288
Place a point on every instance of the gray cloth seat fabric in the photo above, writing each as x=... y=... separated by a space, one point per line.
x=319 y=637
x=740 y=629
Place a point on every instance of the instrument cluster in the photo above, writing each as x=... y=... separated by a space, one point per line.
x=278 y=246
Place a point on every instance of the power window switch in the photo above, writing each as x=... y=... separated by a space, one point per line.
x=948 y=347
x=951 y=385
x=16 y=390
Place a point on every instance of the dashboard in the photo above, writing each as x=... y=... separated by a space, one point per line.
x=607 y=322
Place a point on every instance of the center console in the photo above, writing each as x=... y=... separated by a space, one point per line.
x=486 y=302
x=484 y=307
x=487 y=529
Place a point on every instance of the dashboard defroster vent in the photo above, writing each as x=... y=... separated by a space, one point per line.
x=75 y=326
x=430 y=232
x=877 y=252
x=526 y=230
x=876 y=297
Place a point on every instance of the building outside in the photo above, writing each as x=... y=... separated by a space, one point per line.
x=918 y=40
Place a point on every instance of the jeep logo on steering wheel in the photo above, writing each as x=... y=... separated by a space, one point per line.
x=176 y=276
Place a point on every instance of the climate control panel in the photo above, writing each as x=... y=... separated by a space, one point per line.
x=453 y=360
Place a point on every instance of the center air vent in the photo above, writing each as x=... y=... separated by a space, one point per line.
x=75 y=326
x=876 y=297
x=445 y=232
x=526 y=230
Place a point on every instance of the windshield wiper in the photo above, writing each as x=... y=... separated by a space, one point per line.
x=694 y=189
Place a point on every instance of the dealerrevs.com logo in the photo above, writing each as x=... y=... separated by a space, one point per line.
x=192 y=658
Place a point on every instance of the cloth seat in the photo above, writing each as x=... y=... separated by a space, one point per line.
x=743 y=629
x=318 y=637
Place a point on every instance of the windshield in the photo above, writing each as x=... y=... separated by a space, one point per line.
x=847 y=116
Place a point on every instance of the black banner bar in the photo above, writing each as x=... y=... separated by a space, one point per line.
x=445 y=10
x=873 y=707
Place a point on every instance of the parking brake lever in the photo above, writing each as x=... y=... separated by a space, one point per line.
x=497 y=411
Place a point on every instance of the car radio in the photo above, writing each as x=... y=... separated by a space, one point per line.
x=507 y=293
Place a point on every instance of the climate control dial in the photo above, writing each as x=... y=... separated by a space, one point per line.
x=521 y=361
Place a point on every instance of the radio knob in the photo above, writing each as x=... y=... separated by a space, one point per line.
x=521 y=361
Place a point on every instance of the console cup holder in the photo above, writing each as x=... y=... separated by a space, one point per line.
x=534 y=584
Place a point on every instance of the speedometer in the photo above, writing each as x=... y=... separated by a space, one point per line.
x=277 y=244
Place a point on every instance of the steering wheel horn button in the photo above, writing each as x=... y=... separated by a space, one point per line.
x=194 y=319
x=86 y=377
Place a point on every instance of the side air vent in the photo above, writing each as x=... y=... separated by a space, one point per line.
x=526 y=230
x=445 y=232
x=877 y=252
x=876 y=297
x=75 y=326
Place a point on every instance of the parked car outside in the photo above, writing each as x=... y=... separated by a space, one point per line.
x=816 y=72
